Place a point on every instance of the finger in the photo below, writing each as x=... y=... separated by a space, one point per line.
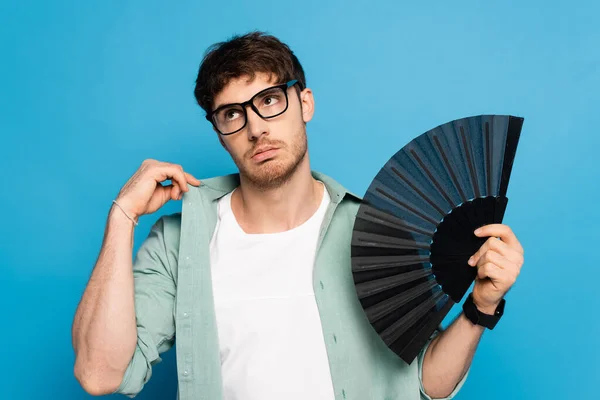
x=170 y=192
x=485 y=247
x=508 y=270
x=174 y=173
x=500 y=231
x=494 y=244
x=489 y=271
x=514 y=257
x=166 y=192
x=191 y=179
x=494 y=258
x=175 y=191
x=500 y=278
x=181 y=180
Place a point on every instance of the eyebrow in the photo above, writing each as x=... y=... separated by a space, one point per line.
x=221 y=105
x=261 y=90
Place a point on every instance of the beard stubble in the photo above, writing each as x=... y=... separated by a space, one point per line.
x=273 y=173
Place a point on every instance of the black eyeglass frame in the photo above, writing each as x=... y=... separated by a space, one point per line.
x=283 y=86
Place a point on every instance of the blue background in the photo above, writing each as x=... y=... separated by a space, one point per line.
x=90 y=89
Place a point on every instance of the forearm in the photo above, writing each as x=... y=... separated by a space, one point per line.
x=104 y=327
x=449 y=357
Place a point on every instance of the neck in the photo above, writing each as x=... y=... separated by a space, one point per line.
x=278 y=209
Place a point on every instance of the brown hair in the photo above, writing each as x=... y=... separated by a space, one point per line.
x=245 y=55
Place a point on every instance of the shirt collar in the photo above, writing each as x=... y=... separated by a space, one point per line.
x=218 y=187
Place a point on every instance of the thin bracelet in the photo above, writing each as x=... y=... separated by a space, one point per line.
x=127 y=215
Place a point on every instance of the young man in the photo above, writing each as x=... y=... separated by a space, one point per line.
x=253 y=276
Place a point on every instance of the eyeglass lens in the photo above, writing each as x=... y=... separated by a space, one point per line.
x=268 y=103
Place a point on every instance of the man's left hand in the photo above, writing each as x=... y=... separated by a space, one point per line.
x=498 y=262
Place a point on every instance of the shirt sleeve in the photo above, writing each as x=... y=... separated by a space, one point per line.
x=154 y=306
x=425 y=396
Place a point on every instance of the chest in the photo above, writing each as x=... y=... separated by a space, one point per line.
x=248 y=267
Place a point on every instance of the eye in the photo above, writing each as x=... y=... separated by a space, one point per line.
x=230 y=114
x=271 y=100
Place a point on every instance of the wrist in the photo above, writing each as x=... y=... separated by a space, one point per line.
x=487 y=309
x=125 y=207
x=119 y=214
x=486 y=316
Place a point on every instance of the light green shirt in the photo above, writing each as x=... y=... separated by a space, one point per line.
x=173 y=298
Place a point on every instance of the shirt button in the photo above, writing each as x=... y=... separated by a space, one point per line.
x=185 y=314
x=187 y=257
x=185 y=373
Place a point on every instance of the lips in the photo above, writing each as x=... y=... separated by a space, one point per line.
x=263 y=149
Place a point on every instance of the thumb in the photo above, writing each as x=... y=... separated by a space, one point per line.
x=163 y=194
x=173 y=192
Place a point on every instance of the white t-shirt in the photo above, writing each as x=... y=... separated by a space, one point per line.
x=270 y=335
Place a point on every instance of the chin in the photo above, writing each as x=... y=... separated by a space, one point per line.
x=274 y=172
x=270 y=174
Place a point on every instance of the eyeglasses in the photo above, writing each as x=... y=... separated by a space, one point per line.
x=268 y=103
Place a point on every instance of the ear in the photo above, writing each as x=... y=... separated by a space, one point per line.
x=307 y=102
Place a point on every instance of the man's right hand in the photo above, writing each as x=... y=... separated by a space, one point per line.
x=144 y=192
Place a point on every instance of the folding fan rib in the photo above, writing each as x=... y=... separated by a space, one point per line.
x=394 y=331
x=479 y=215
x=371 y=214
x=425 y=151
x=392 y=197
x=449 y=169
x=470 y=162
x=489 y=212
x=370 y=288
x=379 y=310
x=374 y=240
x=465 y=216
x=488 y=158
x=448 y=243
x=448 y=143
x=499 y=129
x=483 y=209
x=476 y=143
x=367 y=263
x=438 y=298
x=462 y=221
x=499 y=209
x=451 y=270
x=418 y=159
x=513 y=134
x=415 y=343
x=397 y=170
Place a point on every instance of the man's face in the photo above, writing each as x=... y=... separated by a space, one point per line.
x=267 y=151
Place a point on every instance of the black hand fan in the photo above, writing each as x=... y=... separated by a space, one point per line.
x=413 y=233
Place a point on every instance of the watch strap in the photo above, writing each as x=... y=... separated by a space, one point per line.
x=478 y=318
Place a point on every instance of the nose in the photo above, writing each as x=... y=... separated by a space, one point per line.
x=256 y=126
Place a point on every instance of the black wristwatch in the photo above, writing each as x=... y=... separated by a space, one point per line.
x=478 y=318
